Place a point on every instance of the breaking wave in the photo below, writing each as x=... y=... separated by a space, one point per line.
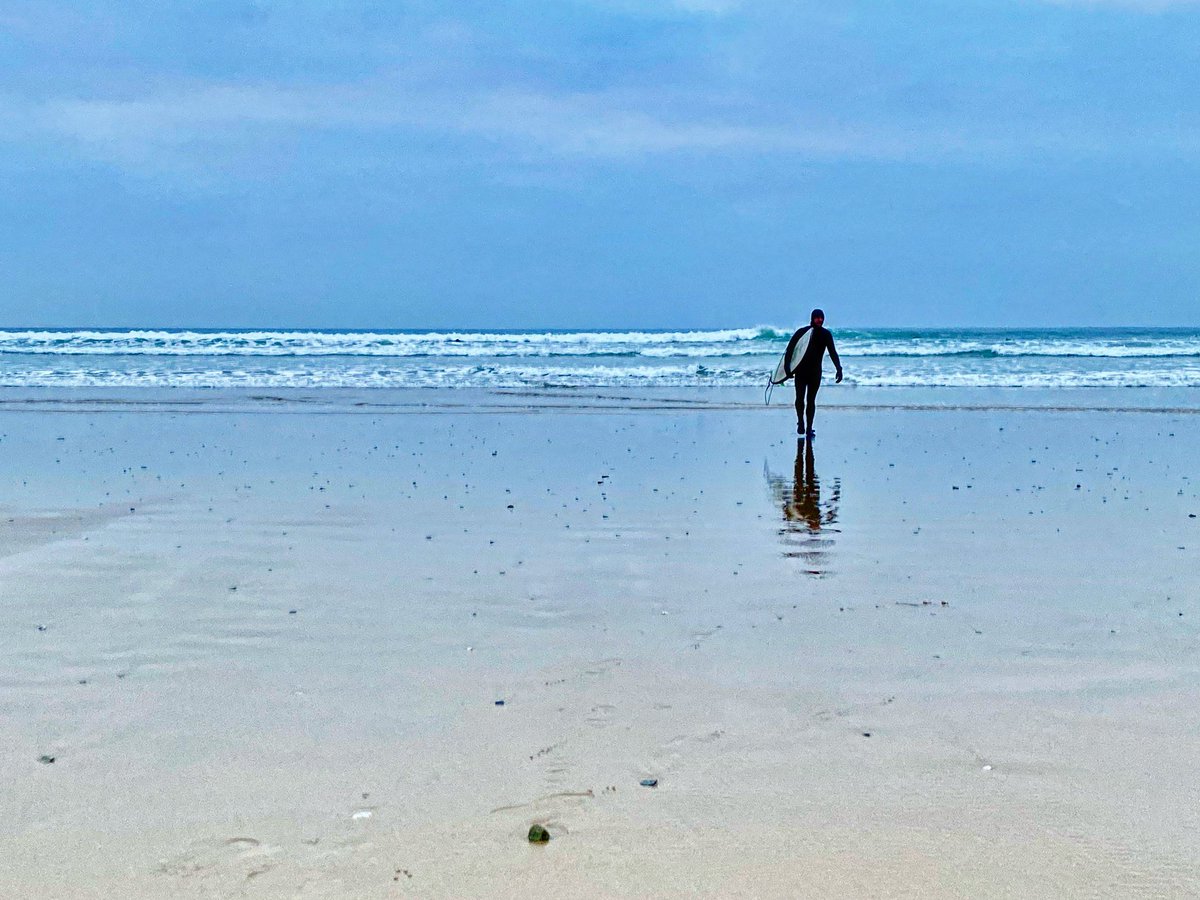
x=734 y=356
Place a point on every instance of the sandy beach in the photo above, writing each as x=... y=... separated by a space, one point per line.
x=354 y=645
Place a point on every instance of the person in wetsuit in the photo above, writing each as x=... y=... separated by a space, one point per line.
x=808 y=370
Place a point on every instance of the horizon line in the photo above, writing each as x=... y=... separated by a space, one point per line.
x=577 y=329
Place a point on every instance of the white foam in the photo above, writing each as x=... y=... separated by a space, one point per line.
x=721 y=343
x=556 y=374
x=329 y=343
x=313 y=359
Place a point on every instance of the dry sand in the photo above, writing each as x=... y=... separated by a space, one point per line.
x=263 y=643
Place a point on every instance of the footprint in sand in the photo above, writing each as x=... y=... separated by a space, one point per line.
x=555 y=766
x=699 y=637
x=550 y=811
x=600 y=715
x=239 y=856
x=824 y=715
x=704 y=737
x=593 y=670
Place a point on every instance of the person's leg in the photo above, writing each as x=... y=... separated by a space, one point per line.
x=800 y=388
x=811 y=389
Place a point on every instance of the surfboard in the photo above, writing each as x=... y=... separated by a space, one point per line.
x=787 y=363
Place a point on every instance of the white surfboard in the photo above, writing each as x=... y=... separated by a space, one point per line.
x=788 y=365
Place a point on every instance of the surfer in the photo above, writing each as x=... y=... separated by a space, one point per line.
x=807 y=369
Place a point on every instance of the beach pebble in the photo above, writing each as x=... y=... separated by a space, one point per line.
x=45 y=760
x=649 y=782
x=499 y=702
x=538 y=834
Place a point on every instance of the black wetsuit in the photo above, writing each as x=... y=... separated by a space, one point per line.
x=808 y=371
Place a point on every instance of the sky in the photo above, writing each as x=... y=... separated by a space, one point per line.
x=599 y=163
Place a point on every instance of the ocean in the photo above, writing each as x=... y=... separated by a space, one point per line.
x=738 y=357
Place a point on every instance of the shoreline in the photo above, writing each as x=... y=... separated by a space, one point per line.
x=418 y=400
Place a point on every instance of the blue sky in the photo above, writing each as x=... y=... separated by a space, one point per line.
x=599 y=163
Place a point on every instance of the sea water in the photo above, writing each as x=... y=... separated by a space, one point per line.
x=878 y=358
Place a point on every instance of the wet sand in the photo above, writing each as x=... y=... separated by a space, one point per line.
x=948 y=653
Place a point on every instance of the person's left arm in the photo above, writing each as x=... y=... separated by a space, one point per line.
x=837 y=362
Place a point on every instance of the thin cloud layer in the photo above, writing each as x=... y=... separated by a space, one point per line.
x=178 y=128
x=1141 y=6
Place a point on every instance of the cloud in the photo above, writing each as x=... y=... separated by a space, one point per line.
x=659 y=8
x=164 y=129
x=1143 y=6
x=625 y=125
x=252 y=131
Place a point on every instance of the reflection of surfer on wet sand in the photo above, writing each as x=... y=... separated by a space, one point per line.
x=805 y=503
x=808 y=521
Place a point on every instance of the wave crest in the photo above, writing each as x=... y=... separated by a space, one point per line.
x=761 y=340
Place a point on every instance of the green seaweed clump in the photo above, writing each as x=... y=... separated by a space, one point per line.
x=538 y=834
